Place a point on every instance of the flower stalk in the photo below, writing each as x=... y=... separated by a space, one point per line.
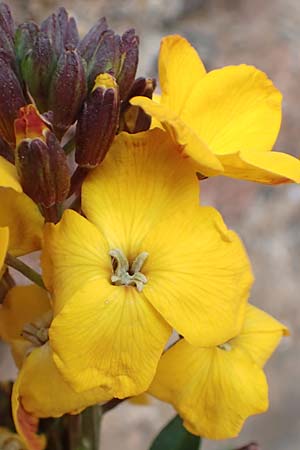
x=84 y=429
x=23 y=268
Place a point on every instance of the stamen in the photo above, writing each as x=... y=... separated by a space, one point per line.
x=226 y=347
x=125 y=275
x=37 y=332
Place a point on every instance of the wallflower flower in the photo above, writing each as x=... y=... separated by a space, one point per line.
x=39 y=391
x=226 y=120
x=215 y=389
x=18 y=212
x=145 y=258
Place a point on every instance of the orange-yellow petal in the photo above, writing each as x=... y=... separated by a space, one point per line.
x=198 y=274
x=74 y=252
x=4 y=238
x=141 y=181
x=235 y=108
x=186 y=141
x=8 y=175
x=180 y=68
x=213 y=390
x=118 y=335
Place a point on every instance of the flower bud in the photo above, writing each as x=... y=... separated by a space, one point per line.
x=90 y=41
x=11 y=99
x=61 y=30
x=40 y=160
x=37 y=68
x=24 y=39
x=133 y=119
x=98 y=122
x=7 y=30
x=113 y=54
x=68 y=90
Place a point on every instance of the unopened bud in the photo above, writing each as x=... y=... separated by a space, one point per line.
x=37 y=68
x=40 y=160
x=61 y=30
x=133 y=119
x=11 y=99
x=116 y=55
x=7 y=30
x=68 y=90
x=90 y=41
x=98 y=122
x=24 y=39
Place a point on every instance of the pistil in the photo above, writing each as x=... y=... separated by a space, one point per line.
x=125 y=275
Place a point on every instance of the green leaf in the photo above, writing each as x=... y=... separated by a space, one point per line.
x=175 y=437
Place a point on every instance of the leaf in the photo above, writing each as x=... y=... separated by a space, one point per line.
x=175 y=437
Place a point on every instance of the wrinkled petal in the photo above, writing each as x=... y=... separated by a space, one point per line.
x=141 y=181
x=53 y=397
x=186 y=141
x=213 y=390
x=260 y=335
x=180 y=68
x=118 y=335
x=26 y=424
x=262 y=167
x=8 y=175
x=74 y=252
x=4 y=238
x=199 y=276
x=235 y=108
x=25 y=222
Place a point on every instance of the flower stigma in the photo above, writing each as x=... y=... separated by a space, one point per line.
x=37 y=332
x=125 y=275
x=226 y=347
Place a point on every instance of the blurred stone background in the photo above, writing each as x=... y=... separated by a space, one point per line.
x=266 y=34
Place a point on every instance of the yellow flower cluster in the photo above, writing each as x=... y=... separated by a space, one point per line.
x=144 y=259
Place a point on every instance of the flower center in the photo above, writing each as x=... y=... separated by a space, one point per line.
x=37 y=332
x=125 y=275
x=226 y=347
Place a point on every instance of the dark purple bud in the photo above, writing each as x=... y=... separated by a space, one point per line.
x=37 y=68
x=128 y=62
x=24 y=39
x=68 y=90
x=7 y=30
x=89 y=43
x=98 y=122
x=40 y=160
x=61 y=30
x=11 y=99
x=133 y=119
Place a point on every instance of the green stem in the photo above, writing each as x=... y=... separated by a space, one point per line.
x=27 y=271
x=69 y=146
x=84 y=429
x=6 y=283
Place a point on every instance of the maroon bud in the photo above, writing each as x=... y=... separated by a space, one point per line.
x=128 y=62
x=7 y=30
x=61 y=30
x=40 y=160
x=68 y=90
x=11 y=99
x=89 y=43
x=98 y=122
x=133 y=119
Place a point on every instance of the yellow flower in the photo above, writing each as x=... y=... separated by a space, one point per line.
x=226 y=119
x=146 y=257
x=216 y=389
x=39 y=391
x=18 y=212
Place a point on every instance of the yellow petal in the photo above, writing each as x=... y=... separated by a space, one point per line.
x=199 y=276
x=186 y=140
x=260 y=335
x=22 y=305
x=141 y=181
x=26 y=424
x=235 y=108
x=8 y=175
x=74 y=252
x=180 y=67
x=118 y=335
x=25 y=222
x=47 y=394
x=4 y=238
x=213 y=390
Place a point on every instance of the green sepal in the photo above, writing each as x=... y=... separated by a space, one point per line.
x=175 y=437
